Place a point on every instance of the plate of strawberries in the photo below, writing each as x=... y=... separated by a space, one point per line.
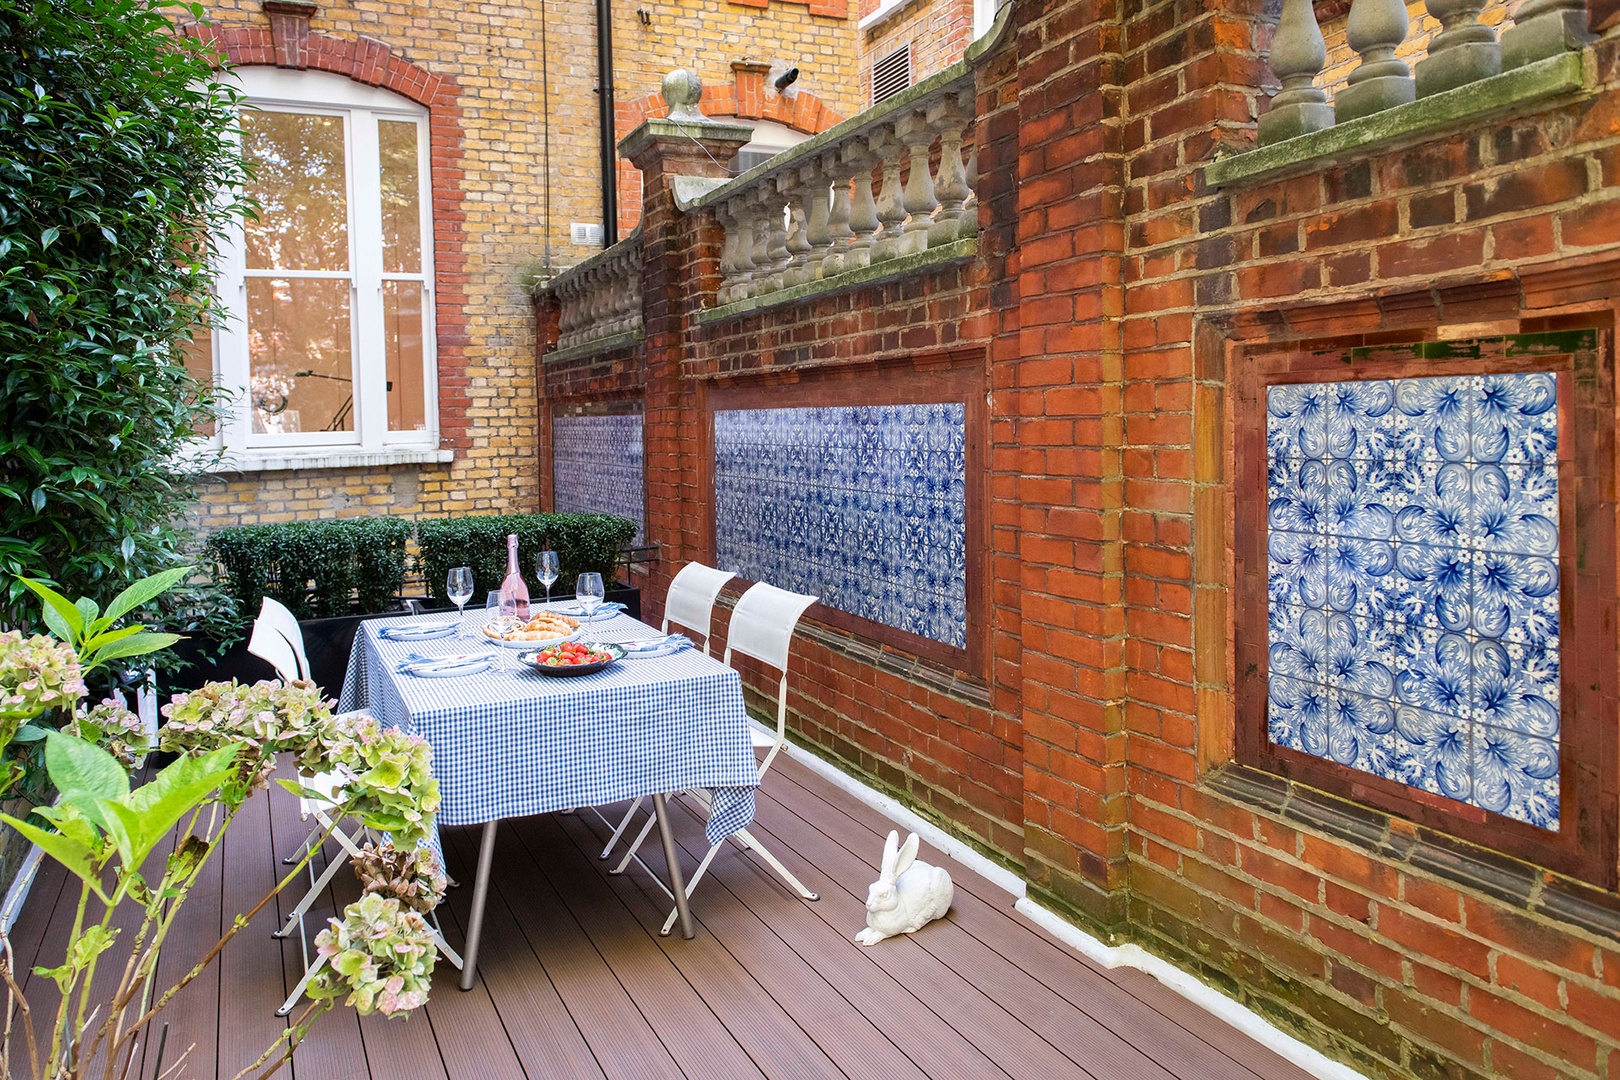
x=573 y=658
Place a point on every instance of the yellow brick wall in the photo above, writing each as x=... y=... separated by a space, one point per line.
x=517 y=65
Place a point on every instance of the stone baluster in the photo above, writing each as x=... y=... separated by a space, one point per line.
x=946 y=117
x=762 y=245
x=729 y=270
x=839 y=232
x=592 y=304
x=798 y=245
x=1543 y=28
x=1298 y=53
x=771 y=256
x=891 y=208
x=817 y=196
x=622 y=319
x=1463 y=51
x=565 y=313
x=781 y=198
x=917 y=137
x=970 y=208
x=863 y=219
x=743 y=251
x=1375 y=29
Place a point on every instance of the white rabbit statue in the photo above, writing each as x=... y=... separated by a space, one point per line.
x=907 y=894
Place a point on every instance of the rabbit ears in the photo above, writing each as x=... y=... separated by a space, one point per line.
x=897 y=858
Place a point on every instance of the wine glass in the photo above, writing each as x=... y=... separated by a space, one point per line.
x=546 y=567
x=504 y=606
x=459 y=585
x=588 y=591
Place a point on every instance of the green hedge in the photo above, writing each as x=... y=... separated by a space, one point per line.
x=316 y=568
x=583 y=542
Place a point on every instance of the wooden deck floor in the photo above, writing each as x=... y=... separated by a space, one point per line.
x=575 y=982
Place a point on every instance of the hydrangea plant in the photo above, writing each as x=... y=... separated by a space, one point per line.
x=114 y=728
x=412 y=877
x=389 y=781
x=380 y=953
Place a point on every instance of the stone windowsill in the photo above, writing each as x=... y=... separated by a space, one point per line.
x=326 y=458
x=591 y=347
x=958 y=251
x=1500 y=93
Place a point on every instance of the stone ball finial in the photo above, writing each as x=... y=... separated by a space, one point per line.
x=682 y=90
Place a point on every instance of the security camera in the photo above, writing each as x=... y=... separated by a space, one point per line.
x=786 y=79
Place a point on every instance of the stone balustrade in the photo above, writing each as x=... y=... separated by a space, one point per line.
x=599 y=300
x=895 y=181
x=1464 y=51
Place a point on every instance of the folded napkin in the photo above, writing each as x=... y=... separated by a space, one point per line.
x=649 y=647
x=417 y=631
x=415 y=664
x=611 y=607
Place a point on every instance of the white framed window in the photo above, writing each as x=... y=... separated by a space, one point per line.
x=328 y=348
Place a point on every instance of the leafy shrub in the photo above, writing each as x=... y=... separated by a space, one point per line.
x=583 y=543
x=117 y=146
x=327 y=562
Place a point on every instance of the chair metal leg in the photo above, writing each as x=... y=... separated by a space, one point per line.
x=298 y=991
x=475 y=923
x=787 y=875
x=315 y=890
x=298 y=852
x=623 y=824
x=635 y=845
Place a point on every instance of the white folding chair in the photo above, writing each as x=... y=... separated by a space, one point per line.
x=762 y=626
x=689 y=604
x=278 y=640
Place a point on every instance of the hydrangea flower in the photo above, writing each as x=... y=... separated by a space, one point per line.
x=389 y=780
x=114 y=728
x=380 y=953
x=36 y=674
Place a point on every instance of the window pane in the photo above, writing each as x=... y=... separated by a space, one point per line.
x=401 y=181
x=301 y=371
x=300 y=182
x=198 y=353
x=402 y=342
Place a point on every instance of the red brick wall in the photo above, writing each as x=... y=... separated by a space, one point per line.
x=1113 y=294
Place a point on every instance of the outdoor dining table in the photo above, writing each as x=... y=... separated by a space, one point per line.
x=517 y=742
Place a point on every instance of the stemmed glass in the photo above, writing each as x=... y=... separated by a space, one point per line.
x=588 y=591
x=546 y=567
x=505 y=608
x=459 y=585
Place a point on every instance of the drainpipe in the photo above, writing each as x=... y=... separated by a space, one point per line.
x=604 y=101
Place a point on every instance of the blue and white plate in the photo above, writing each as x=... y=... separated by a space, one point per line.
x=418 y=631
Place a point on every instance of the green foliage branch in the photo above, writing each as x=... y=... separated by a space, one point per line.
x=323 y=568
x=118 y=162
x=378 y=955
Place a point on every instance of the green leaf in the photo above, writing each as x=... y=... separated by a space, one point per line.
x=48 y=237
x=145 y=590
x=101 y=639
x=29 y=733
x=79 y=768
x=67 y=616
x=135 y=645
x=88 y=610
x=71 y=854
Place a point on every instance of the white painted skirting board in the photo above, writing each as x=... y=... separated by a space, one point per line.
x=1188 y=986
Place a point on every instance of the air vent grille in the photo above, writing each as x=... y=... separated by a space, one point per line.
x=585 y=234
x=891 y=74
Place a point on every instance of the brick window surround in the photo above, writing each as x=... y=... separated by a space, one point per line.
x=374 y=63
x=956 y=378
x=1582 y=361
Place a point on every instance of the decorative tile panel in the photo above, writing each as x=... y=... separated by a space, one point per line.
x=596 y=466
x=863 y=506
x=1412 y=542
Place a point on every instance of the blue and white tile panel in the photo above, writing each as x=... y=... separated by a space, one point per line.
x=1413 y=540
x=864 y=506
x=596 y=467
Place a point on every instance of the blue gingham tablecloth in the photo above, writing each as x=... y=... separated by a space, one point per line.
x=514 y=743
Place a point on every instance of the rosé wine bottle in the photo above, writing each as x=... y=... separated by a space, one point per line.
x=513 y=584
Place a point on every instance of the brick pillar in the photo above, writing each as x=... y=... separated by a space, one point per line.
x=680 y=268
x=1060 y=434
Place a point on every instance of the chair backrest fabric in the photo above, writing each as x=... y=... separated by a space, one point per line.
x=276 y=622
x=762 y=624
x=690 y=601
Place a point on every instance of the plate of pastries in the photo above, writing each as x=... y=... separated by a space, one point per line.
x=540 y=630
